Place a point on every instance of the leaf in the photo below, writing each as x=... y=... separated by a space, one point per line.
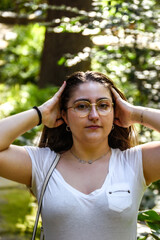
x=154 y=226
x=61 y=61
x=155 y=236
x=149 y=216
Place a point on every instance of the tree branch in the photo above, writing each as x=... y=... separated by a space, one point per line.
x=11 y=18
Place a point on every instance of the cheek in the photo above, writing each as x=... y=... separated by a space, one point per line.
x=71 y=119
x=75 y=123
x=108 y=120
x=112 y=115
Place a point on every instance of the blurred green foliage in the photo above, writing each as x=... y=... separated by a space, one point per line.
x=130 y=56
x=8 y=5
x=20 y=61
x=17 y=98
x=18 y=209
x=152 y=220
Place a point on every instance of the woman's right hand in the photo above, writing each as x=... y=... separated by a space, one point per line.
x=51 y=116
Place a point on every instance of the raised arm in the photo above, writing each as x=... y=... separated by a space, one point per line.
x=126 y=115
x=15 y=163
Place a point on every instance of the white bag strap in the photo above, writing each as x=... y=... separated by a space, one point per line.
x=42 y=193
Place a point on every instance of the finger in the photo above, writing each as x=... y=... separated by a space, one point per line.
x=117 y=122
x=61 y=89
x=115 y=93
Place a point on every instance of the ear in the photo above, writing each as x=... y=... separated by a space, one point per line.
x=64 y=116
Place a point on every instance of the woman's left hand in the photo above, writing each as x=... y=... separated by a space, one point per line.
x=123 y=111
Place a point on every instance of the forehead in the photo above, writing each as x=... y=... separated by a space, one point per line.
x=91 y=90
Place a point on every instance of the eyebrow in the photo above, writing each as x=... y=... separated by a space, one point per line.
x=86 y=99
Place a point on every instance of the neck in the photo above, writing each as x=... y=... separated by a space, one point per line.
x=89 y=152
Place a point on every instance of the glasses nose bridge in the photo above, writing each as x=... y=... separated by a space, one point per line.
x=95 y=107
x=93 y=104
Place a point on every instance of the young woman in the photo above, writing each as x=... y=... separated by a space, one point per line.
x=96 y=189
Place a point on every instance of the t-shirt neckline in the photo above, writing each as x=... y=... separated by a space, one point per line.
x=79 y=193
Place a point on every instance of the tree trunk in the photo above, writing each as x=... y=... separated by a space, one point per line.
x=58 y=44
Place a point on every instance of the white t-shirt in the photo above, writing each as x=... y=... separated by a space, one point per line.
x=108 y=213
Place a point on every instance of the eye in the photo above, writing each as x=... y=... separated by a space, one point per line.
x=104 y=105
x=81 y=106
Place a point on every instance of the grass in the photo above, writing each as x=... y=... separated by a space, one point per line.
x=17 y=213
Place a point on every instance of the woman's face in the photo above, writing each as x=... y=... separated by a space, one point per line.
x=93 y=128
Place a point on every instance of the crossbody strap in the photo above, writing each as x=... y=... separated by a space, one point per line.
x=55 y=161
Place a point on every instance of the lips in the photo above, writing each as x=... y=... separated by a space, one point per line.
x=93 y=127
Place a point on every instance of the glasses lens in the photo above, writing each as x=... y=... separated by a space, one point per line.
x=82 y=108
x=104 y=106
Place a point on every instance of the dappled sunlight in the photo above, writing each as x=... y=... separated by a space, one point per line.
x=6 y=34
x=130 y=38
x=124 y=44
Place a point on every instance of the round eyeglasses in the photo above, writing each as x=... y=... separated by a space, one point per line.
x=83 y=108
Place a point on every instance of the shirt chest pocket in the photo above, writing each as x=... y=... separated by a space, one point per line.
x=119 y=197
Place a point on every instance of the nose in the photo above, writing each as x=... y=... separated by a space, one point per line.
x=93 y=115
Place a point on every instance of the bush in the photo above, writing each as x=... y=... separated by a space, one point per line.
x=21 y=59
x=18 y=98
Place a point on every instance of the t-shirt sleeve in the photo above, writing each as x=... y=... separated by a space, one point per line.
x=134 y=159
x=41 y=159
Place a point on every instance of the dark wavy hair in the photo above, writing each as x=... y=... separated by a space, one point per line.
x=60 y=140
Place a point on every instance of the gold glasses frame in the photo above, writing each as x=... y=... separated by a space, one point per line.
x=90 y=107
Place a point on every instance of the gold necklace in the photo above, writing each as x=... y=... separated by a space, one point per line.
x=89 y=161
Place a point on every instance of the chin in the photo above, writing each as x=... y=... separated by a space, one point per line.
x=94 y=139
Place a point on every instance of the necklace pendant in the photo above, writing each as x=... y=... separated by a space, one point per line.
x=82 y=161
x=90 y=162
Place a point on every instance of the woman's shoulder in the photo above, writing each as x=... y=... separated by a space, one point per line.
x=38 y=150
x=131 y=155
x=131 y=150
x=130 y=158
x=40 y=156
